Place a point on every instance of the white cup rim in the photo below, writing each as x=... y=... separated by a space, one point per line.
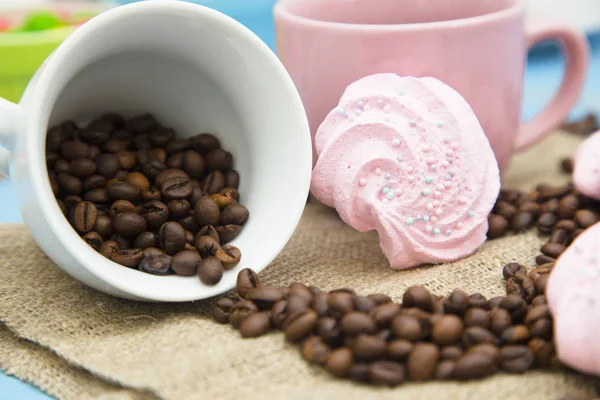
x=39 y=182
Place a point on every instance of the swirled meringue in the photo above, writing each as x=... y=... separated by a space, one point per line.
x=407 y=157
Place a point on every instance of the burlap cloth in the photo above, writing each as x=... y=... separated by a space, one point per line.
x=76 y=343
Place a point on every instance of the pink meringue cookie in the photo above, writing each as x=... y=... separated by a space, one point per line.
x=586 y=167
x=407 y=157
x=573 y=294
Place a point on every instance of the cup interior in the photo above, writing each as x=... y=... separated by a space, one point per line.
x=195 y=71
x=392 y=12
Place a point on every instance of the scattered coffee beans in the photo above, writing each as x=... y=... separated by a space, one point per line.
x=147 y=200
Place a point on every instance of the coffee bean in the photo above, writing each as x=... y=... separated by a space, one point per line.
x=209 y=230
x=476 y=335
x=448 y=330
x=142 y=142
x=495 y=301
x=363 y=304
x=516 y=359
x=553 y=249
x=560 y=236
x=138 y=180
x=213 y=183
x=522 y=221
x=193 y=164
x=171 y=237
x=576 y=233
x=339 y=303
x=320 y=304
x=356 y=323
x=104 y=226
x=121 y=206
x=263 y=296
x=234 y=214
x=157 y=264
x=206 y=246
x=568 y=206
x=129 y=224
x=457 y=303
x=515 y=334
x=205 y=142
x=300 y=325
x=257 y=324
x=585 y=218
x=207 y=212
x=315 y=351
x=170 y=174
x=497 y=226
x=151 y=194
x=93 y=239
x=52 y=158
x=179 y=208
x=296 y=303
x=385 y=313
x=72 y=150
x=444 y=370
x=539 y=300
x=406 y=327
x=232 y=179
x=418 y=296
x=108 y=165
x=339 y=362
x=108 y=247
x=451 y=353
x=59 y=134
x=127 y=257
x=541 y=283
x=69 y=183
x=230 y=256
x=222 y=310
x=185 y=263
x=219 y=159
x=240 y=311
x=511 y=269
x=330 y=330
x=123 y=242
x=246 y=280
x=551 y=206
x=156 y=214
x=82 y=167
x=380 y=298
x=177 y=188
x=546 y=222
x=153 y=169
x=543 y=351
x=369 y=348
x=505 y=209
x=175 y=160
x=386 y=373
x=473 y=365
x=566 y=224
x=123 y=191
x=145 y=240
x=543 y=259
x=500 y=320
x=422 y=362
x=161 y=136
x=178 y=145
x=222 y=201
x=85 y=215
x=515 y=305
x=478 y=300
x=210 y=271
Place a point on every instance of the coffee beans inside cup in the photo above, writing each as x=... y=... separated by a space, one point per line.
x=146 y=199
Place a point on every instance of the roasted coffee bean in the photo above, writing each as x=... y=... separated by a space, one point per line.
x=522 y=221
x=175 y=160
x=97 y=196
x=299 y=325
x=193 y=163
x=127 y=257
x=505 y=209
x=515 y=334
x=93 y=239
x=487 y=349
x=156 y=264
x=497 y=226
x=145 y=240
x=422 y=362
x=59 y=134
x=228 y=232
x=161 y=136
x=495 y=301
x=542 y=328
x=82 y=167
x=138 y=180
x=156 y=214
x=511 y=269
x=568 y=206
x=279 y=313
x=234 y=214
x=585 y=218
x=61 y=165
x=150 y=251
x=232 y=179
x=222 y=201
x=141 y=124
x=179 y=208
x=153 y=168
x=185 y=263
x=104 y=226
x=69 y=183
x=444 y=370
x=108 y=247
x=171 y=237
x=123 y=242
x=206 y=246
x=123 y=191
x=538 y=300
x=209 y=230
x=210 y=271
x=559 y=236
x=541 y=282
x=530 y=207
x=230 y=256
x=205 y=142
x=406 y=327
x=207 y=212
x=121 y=206
x=477 y=317
x=222 y=310
x=356 y=323
x=315 y=351
x=213 y=183
x=170 y=174
x=553 y=249
x=189 y=237
x=257 y=324
x=339 y=362
x=500 y=320
x=142 y=142
x=369 y=348
x=72 y=200
x=543 y=351
x=476 y=335
x=417 y=296
x=330 y=330
x=264 y=297
x=457 y=303
x=576 y=233
x=386 y=373
x=516 y=359
x=567 y=225
x=543 y=259
x=478 y=300
x=72 y=150
x=551 y=206
x=177 y=188
x=85 y=215
x=177 y=146
x=240 y=311
x=546 y=222
x=385 y=313
x=448 y=330
x=515 y=305
x=451 y=353
x=197 y=194
x=129 y=224
x=219 y=159
x=399 y=349
x=107 y=165
x=474 y=365
x=320 y=304
x=513 y=286
x=339 y=303
x=380 y=298
x=151 y=194
x=301 y=290
x=296 y=303
x=247 y=279
x=363 y=304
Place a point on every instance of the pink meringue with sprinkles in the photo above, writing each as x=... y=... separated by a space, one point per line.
x=408 y=158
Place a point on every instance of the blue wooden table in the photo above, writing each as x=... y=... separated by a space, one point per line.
x=543 y=76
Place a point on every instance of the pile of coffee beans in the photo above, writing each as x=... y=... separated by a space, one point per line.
x=558 y=212
x=374 y=340
x=146 y=199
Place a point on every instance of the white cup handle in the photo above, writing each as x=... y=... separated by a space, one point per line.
x=8 y=119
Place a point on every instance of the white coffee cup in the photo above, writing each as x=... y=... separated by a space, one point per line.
x=196 y=70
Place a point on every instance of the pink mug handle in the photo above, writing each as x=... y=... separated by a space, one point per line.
x=576 y=50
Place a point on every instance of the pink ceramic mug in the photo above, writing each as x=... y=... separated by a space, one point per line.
x=476 y=46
